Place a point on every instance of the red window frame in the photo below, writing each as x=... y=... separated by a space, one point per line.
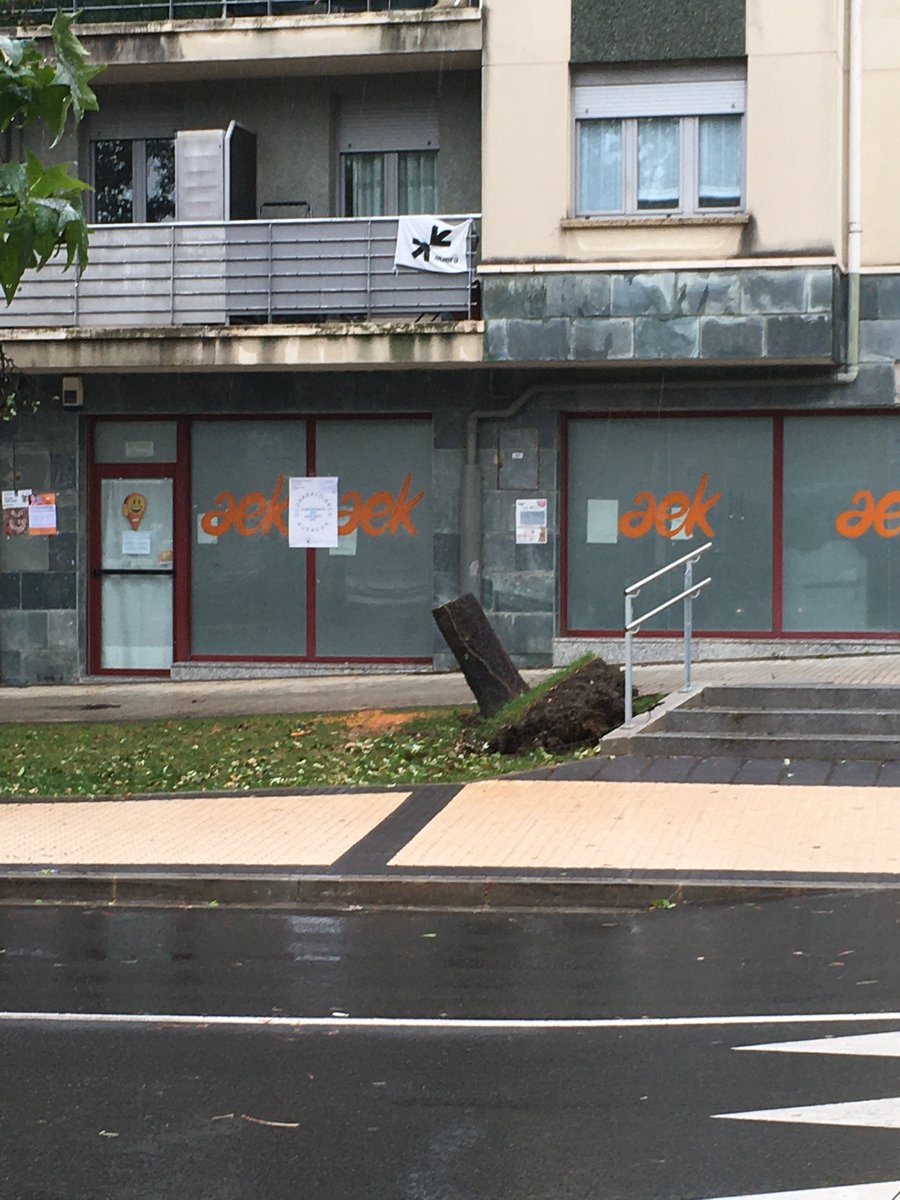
x=777 y=631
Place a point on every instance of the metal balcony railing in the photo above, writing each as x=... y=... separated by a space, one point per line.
x=139 y=11
x=239 y=272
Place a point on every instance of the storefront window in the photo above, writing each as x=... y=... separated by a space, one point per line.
x=841 y=522
x=248 y=587
x=136 y=442
x=643 y=491
x=374 y=592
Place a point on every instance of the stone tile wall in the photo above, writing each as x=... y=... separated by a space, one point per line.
x=740 y=316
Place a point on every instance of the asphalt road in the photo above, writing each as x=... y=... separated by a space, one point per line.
x=560 y=1090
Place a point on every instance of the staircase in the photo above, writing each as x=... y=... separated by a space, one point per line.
x=784 y=721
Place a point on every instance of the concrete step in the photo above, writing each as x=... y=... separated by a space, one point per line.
x=757 y=745
x=803 y=696
x=857 y=722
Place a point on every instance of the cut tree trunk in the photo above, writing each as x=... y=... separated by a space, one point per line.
x=482 y=659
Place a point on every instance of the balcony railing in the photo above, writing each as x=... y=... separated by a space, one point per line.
x=240 y=272
x=140 y=11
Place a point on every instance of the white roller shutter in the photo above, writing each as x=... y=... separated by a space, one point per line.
x=384 y=125
x=688 y=99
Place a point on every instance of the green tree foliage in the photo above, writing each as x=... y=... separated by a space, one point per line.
x=40 y=205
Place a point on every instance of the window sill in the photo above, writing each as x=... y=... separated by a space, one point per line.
x=653 y=221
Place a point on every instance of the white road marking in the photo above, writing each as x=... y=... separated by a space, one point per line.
x=864 y=1191
x=488 y=1023
x=871 y=1114
x=882 y=1045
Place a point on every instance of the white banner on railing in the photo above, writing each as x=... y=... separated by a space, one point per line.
x=432 y=244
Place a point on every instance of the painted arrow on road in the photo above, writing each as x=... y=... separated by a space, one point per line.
x=882 y=1045
x=875 y=1114
x=864 y=1191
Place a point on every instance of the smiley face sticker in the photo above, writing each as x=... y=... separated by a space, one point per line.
x=133 y=508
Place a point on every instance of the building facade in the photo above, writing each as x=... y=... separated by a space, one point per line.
x=675 y=319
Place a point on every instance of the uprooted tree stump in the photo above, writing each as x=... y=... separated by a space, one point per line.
x=582 y=707
x=482 y=659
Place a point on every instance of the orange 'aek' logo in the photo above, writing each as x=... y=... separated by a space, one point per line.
x=881 y=515
x=380 y=513
x=676 y=513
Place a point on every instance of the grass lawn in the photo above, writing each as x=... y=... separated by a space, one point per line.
x=376 y=748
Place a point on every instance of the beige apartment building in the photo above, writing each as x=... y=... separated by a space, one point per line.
x=555 y=290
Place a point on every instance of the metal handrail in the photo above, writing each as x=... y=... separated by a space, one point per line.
x=686 y=558
x=633 y=623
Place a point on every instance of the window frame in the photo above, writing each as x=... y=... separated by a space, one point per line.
x=138 y=178
x=655 y=84
x=391 y=161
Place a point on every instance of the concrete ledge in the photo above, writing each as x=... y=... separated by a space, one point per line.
x=671 y=649
x=421 y=892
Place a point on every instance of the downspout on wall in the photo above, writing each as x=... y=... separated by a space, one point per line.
x=854 y=191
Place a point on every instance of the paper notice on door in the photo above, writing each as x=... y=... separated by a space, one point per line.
x=531 y=522
x=204 y=538
x=602 y=522
x=135 y=542
x=346 y=546
x=42 y=513
x=16 y=499
x=313 y=512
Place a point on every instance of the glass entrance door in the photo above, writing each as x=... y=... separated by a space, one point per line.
x=136 y=568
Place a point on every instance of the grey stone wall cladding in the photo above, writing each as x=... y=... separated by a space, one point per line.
x=744 y=315
x=519 y=583
x=655 y=30
x=38 y=575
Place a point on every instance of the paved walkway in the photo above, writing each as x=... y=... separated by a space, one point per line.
x=581 y=833
x=143 y=701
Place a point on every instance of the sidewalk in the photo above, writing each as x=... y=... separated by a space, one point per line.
x=115 y=701
x=592 y=833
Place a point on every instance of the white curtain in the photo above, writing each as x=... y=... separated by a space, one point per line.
x=363 y=185
x=658 y=163
x=721 y=155
x=417 y=181
x=600 y=156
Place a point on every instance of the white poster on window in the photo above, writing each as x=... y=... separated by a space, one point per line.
x=430 y=244
x=313 y=512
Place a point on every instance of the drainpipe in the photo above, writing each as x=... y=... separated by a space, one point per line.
x=854 y=192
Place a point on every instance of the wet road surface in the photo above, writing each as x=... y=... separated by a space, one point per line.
x=616 y=1111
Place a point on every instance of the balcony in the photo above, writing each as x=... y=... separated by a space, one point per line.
x=142 y=11
x=161 y=41
x=241 y=273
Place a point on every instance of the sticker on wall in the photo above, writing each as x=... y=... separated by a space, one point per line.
x=15 y=521
x=203 y=537
x=602 y=522
x=134 y=506
x=531 y=522
x=16 y=499
x=313 y=512
x=42 y=513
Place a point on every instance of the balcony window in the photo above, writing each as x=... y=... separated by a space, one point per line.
x=648 y=146
x=377 y=185
x=134 y=180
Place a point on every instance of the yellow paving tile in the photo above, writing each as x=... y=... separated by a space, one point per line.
x=220 y=831
x=663 y=826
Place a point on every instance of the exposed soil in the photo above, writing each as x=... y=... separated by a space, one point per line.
x=376 y=720
x=580 y=708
